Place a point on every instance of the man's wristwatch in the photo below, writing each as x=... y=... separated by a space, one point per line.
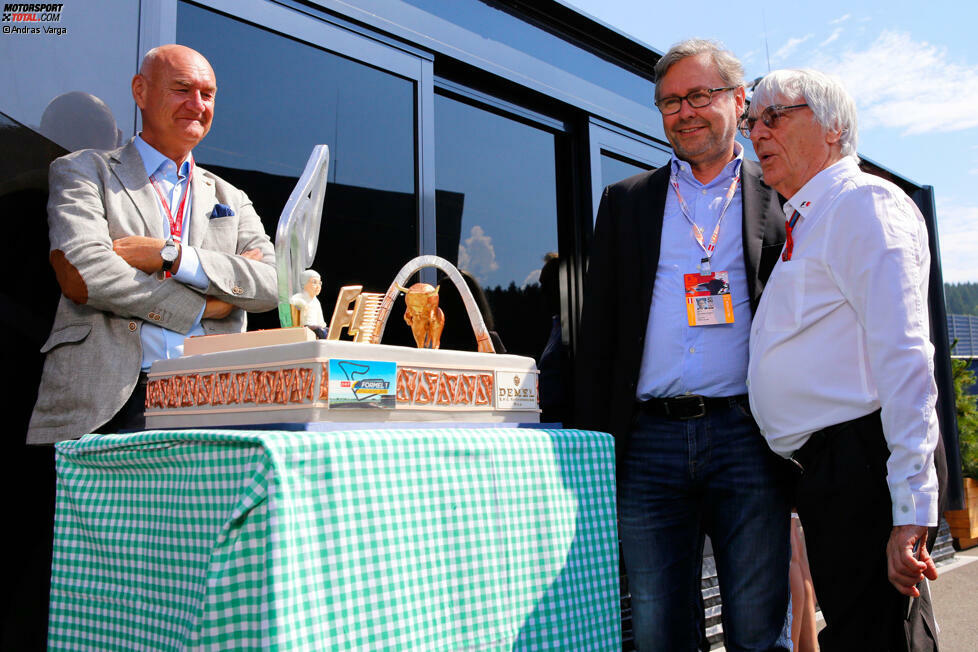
x=169 y=254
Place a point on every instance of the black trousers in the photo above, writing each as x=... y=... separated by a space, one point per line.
x=844 y=504
x=29 y=483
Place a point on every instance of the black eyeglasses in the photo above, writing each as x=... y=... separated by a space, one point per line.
x=696 y=99
x=769 y=116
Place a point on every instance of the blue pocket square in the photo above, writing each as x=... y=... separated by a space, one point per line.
x=221 y=210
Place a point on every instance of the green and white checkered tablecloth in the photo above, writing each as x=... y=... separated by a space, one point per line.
x=447 y=539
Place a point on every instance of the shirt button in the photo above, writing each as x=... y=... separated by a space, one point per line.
x=236 y=290
x=692 y=349
x=132 y=326
x=904 y=509
x=703 y=192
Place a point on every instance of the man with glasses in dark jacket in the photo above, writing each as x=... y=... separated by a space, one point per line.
x=666 y=373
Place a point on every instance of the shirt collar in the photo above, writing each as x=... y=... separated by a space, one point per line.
x=807 y=199
x=684 y=172
x=153 y=159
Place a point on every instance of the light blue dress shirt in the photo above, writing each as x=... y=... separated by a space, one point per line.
x=160 y=343
x=683 y=359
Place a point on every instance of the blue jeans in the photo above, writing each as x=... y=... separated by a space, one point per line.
x=713 y=475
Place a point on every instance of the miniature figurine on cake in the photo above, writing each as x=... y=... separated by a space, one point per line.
x=310 y=312
x=423 y=315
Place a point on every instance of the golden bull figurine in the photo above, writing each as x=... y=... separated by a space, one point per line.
x=423 y=315
x=368 y=317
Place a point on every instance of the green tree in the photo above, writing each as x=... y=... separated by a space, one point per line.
x=967 y=409
x=961 y=298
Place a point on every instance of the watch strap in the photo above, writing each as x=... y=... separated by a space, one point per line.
x=167 y=260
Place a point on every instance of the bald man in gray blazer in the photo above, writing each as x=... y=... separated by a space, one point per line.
x=116 y=257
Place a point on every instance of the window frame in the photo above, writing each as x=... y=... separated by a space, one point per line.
x=621 y=143
x=158 y=25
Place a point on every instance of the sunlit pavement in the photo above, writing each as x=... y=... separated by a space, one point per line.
x=955 y=595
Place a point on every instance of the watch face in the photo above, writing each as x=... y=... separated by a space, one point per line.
x=169 y=252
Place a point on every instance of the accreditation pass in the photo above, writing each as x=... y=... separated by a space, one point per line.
x=708 y=300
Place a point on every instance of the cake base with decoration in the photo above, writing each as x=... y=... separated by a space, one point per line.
x=304 y=373
x=323 y=380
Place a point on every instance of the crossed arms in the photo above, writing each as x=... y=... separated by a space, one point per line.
x=104 y=259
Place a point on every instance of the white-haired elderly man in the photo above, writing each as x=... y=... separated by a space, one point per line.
x=841 y=366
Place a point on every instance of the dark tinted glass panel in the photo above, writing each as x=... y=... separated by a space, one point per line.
x=615 y=169
x=30 y=295
x=40 y=68
x=497 y=218
x=276 y=99
x=64 y=87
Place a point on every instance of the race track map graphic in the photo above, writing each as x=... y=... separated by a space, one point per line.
x=362 y=383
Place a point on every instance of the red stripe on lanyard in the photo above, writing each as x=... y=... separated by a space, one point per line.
x=176 y=225
x=789 y=243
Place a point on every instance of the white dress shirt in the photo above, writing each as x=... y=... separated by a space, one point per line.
x=842 y=330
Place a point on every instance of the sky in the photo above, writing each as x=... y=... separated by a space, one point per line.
x=912 y=68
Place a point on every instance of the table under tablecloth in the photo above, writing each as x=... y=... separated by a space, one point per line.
x=444 y=539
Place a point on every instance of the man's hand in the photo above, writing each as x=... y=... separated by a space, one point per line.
x=216 y=308
x=905 y=568
x=142 y=253
x=253 y=254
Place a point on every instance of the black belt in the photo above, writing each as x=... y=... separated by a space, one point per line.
x=820 y=439
x=688 y=406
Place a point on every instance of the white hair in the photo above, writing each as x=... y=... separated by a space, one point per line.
x=825 y=95
x=307 y=276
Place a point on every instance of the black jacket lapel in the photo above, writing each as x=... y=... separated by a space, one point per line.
x=649 y=211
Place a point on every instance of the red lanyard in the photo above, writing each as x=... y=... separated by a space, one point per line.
x=697 y=231
x=176 y=223
x=789 y=243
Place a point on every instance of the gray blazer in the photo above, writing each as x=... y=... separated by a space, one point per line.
x=94 y=349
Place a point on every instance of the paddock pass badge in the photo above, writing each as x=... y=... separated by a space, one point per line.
x=708 y=300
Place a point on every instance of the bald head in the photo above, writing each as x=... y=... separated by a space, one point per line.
x=175 y=91
x=158 y=58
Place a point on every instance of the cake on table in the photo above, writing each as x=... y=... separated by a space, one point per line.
x=314 y=380
x=289 y=376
